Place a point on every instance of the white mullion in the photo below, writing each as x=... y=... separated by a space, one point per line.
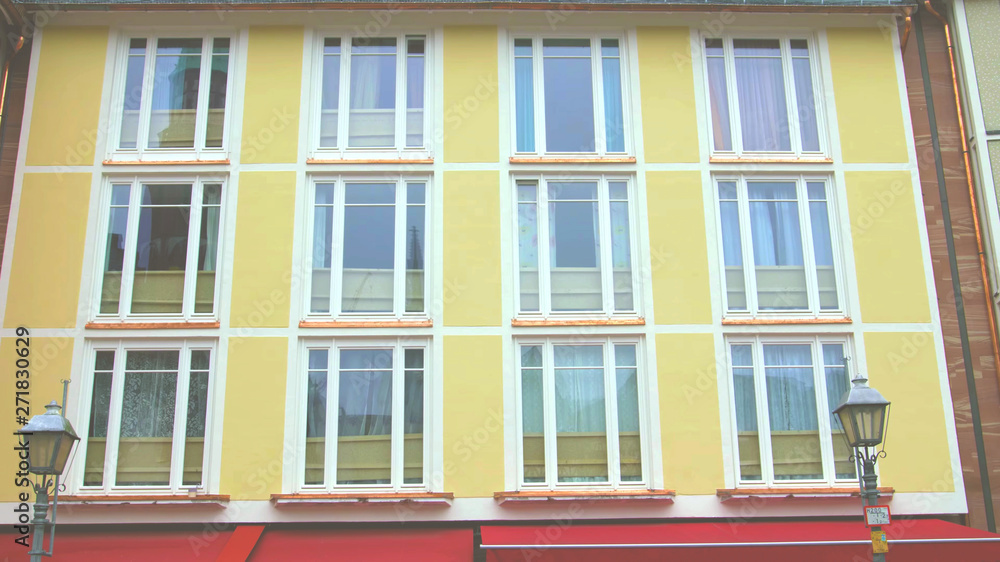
x=396 y=418
x=763 y=415
x=746 y=244
x=732 y=96
x=131 y=236
x=822 y=401
x=399 y=251
x=549 y=415
x=112 y=440
x=204 y=85
x=344 y=97
x=604 y=238
x=146 y=102
x=791 y=100
x=542 y=216
x=191 y=261
x=808 y=248
x=337 y=252
x=402 y=54
x=180 y=418
x=538 y=97
x=332 y=399
x=597 y=84
x=611 y=413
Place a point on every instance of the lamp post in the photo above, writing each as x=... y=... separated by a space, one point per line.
x=50 y=439
x=863 y=412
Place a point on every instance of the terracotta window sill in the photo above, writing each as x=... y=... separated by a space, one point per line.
x=150 y=325
x=595 y=160
x=424 y=498
x=152 y=499
x=585 y=495
x=581 y=322
x=768 y=160
x=369 y=161
x=782 y=321
x=728 y=494
x=164 y=162
x=366 y=324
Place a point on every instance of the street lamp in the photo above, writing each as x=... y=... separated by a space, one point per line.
x=50 y=439
x=863 y=412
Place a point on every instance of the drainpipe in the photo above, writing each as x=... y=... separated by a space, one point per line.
x=977 y=425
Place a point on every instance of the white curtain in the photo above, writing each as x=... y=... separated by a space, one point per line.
x=791 y=388
x=760 y=90
x=774 y=218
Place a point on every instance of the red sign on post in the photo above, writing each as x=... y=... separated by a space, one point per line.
x=877 y=515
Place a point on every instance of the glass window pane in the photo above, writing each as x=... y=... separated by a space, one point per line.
x=745 y=397
x=532 y=419
x=372 y=118
x=364 y=422
x=621 y=256
x=524 y=95
x=322 y=256
x=777 y=246
x=415 y=226
x=100 y=406
x=569 y=95
x=413 y=418
x=218 y=79
x=145 y=444
x=527 y=243
x=194 y=443
x=369 y=246
x=627 y=391
x=176 y=77
x=837 y=383
x=732 y=247
x=574 y=247
x=135 y=64
x=614 y=123
x=415 y=93
x=114 y=254
x=581 y=430
x=316 y=406
x=791 y=409
x=208 y=250
x=161 y=249
x=760 y=87
x=809 y=130
x=718 y=95
x=819 y=220
x=330 y=97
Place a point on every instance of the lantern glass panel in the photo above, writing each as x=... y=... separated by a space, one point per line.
x=41 y=449
x=62 y=453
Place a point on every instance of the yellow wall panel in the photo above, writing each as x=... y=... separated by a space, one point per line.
x=253 y=431
x=273 y=87
x=690 y=430
x=472 y=274
x=887 y=253
x=904 y=368
x=471 y=120
x=678 y=248
x=67 y=102
x=49 y=361
x=265 y=218
x=669 y=126
x=47 y=265
x=869 y=110
x=473 y=416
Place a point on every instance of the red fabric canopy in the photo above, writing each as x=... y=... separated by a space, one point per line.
x=824 y=541
x=125 y=544
x=370 y=545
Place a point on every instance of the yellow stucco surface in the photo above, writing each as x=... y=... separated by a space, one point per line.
x=472 y=249
x=273 y=90
x=265 y=218
x=67 y=101
x=470 y=126
x=678 y=248
x=473 y=416
x=47 y=264
x=666 y=79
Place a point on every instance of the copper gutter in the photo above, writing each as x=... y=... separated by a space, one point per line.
x=972 y=194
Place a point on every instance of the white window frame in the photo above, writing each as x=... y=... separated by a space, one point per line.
x=199 y=152
x=597 y=79
x=611 y=413
x=607 y=272
x=763 y=422
x=128 y=266
x=121 y=347
x=808 y=248
x=791 y=101
x=333 y=387
x=399 y=258
x=399 y=150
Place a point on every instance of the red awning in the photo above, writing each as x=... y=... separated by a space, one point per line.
x=370 y=545
x=123 y=544
x=816 y=541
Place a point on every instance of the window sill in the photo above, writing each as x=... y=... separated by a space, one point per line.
x=744 y=494
x=423 y=498
x=366 y=323
x=770 y=160
x=151 y=499
x=783 y=321
x=224 y=162
x=520 y=322
x=151 y=325
x=585 y=495
x=369 y=161
x=585 y=160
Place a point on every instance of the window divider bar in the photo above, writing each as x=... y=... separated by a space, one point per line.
x=549 y=427
x=611 y=407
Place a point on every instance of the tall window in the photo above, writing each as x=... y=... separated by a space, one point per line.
x=568 y=95
x=778 y=245
x=784 y=393
x=162 y=249
x=372 y=397
x=148 y=419
x=173 y=100
x=580 y=413
x=368 y=247
x=583 y=260
x=372 y=93
x=763 y=95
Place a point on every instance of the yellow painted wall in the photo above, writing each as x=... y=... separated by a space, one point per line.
x=471 y=122
x=473 y=416
x=869 y=109
x=47 y=265
x=49 y=361
x=666 y=78
x=262 y=267
x=67 y=102
x=904 y=368
x=472 y=273
x=690 y=432
x=678 y=248
x=887 y=254
x=253 y=430
x=273 y=88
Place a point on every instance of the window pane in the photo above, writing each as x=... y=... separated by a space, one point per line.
x=614 y=124
x=415 y=92
x=718 y=95
x=218 y=78
x=145 y=444
x=369 y=246
x=373 y=93
x=837 y=383
x=176 y=78
x=322 y=256
x=627 y=391
x=574 y=247
x=524 y=95
x=316 y=417
x=581 y=430
x=819 y=219
x=791 y=409
x=809 y=131
x=413 y=417
x=208 y=249
x=569 y=95
x=135 y=64
x=760 y=87
x=161 y=249
x=745 y=397
x=621 y=254
x=364 y=422
x=777 y=246
x=532 y=414
x=100 y=406
x=527 y=243
x=197 y=409
x=415 y=225
x=114 y=256
x=330 y=99
x=732 y=247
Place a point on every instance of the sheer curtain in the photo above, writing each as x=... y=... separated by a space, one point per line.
x=581 y=426
x=777 y=246
x=364 y=410
x=147 y=420
x=373 y=93
x=760 y=90
x=791 y=407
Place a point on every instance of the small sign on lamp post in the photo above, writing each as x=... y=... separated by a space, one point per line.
x=877 y=515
